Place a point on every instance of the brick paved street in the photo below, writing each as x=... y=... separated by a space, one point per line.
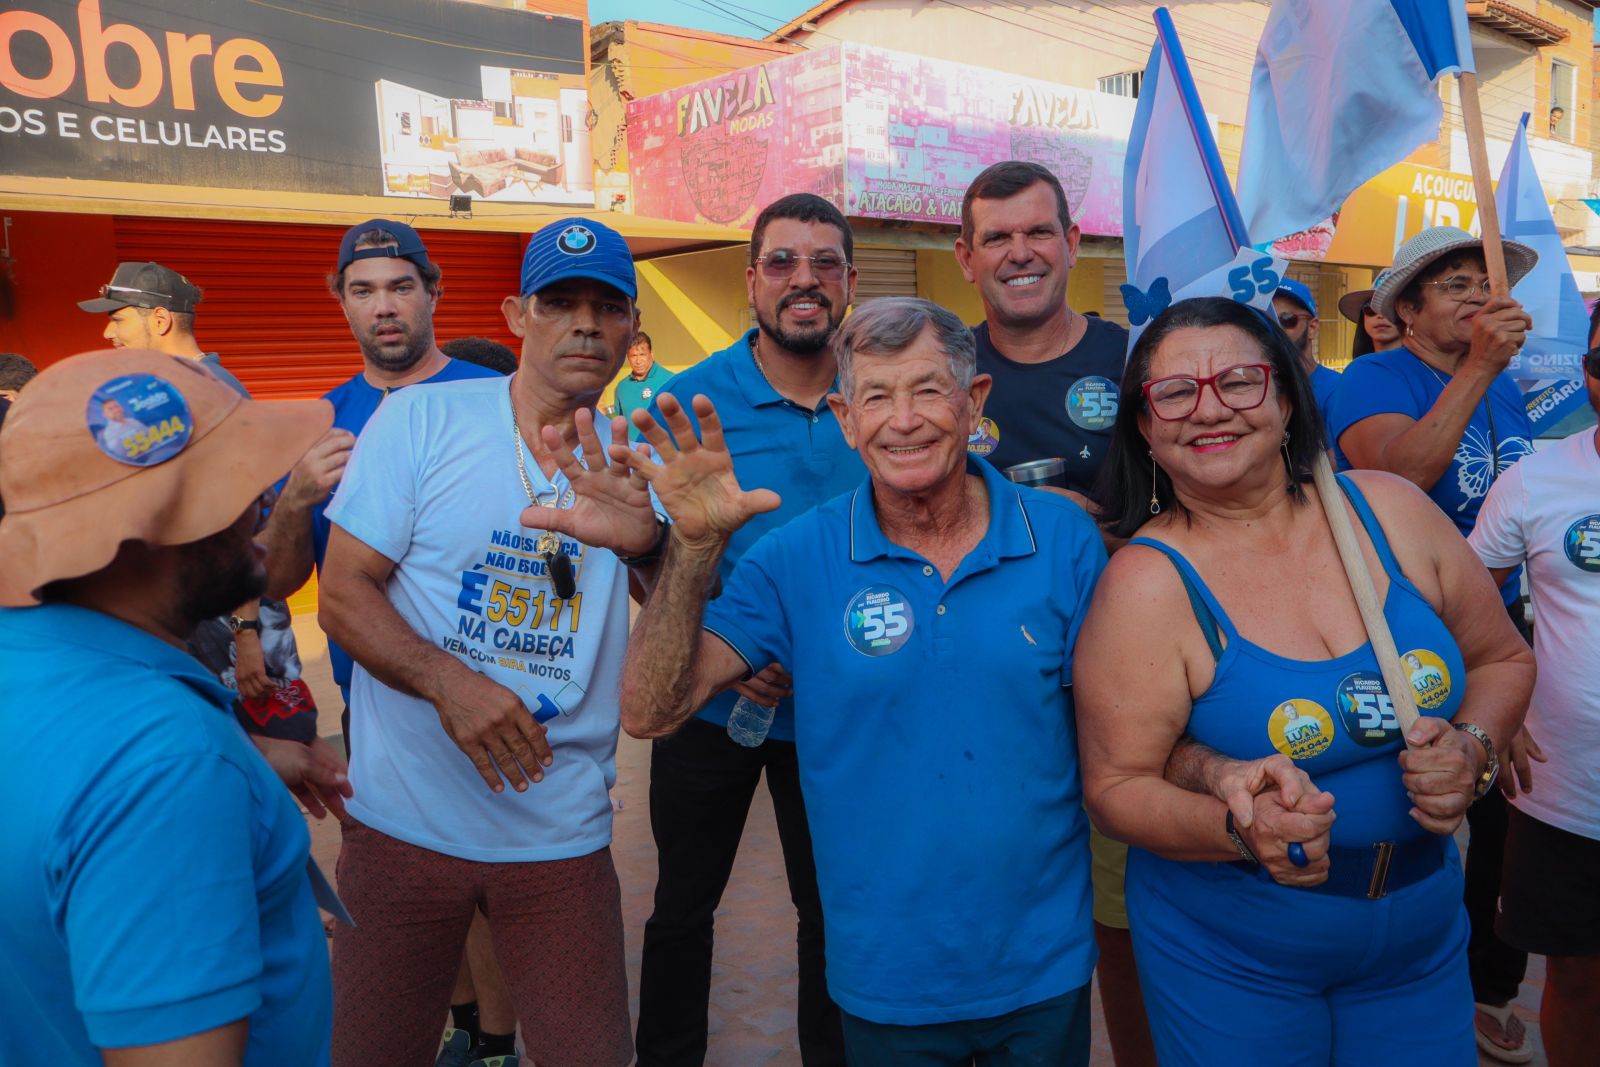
x=753 y=978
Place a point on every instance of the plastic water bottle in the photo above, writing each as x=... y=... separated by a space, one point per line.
x=749 y=722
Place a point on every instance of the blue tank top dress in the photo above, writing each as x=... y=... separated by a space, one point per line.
x=1239 y=969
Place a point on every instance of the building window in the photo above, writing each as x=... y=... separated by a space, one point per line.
x=1124 y=84
x=1563 y=99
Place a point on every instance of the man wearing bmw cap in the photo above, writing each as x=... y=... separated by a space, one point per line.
x=488 y=653
x=158 y=904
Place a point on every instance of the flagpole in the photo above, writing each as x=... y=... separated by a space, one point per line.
x=1494 y=255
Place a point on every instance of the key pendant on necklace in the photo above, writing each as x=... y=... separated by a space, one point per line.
x=548 y=545
x=558 y=565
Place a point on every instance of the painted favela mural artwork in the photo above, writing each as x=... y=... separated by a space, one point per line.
x=881 y=134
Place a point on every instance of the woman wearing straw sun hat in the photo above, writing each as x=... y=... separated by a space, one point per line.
x=1441 y=411
x=1374 y=333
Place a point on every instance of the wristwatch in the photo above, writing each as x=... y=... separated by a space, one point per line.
x=236 y=624
x=1491 y=769
x=663 y=531
x=1238 y=842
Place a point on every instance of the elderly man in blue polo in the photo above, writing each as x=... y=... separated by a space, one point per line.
x=928 y=619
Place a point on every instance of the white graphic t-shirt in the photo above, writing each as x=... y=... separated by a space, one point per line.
x=433 y=485
x=1546 y=510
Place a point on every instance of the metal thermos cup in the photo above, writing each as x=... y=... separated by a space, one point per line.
x=1039 y=472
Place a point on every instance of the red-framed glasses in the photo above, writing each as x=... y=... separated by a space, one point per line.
x=1240 y=388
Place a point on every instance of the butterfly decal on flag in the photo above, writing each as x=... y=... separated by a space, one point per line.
x=1182 y=232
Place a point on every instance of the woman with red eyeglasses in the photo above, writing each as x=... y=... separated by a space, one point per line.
x=1294 y=888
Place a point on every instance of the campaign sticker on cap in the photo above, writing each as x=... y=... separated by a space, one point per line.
x=139 y=419
x=576 y=240
x=1092 y=402
x=878 y=620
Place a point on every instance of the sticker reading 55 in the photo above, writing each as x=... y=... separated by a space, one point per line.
x=878 y=620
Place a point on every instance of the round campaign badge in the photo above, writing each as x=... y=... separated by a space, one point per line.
x=1583 y=544
x=1366 y=710
x=1301 y=729
x=1429 y=677
x=1092 y=402
x=139 y=419
x=878 y=621
x=646 y=393
x=985 y=439
x=576 y=240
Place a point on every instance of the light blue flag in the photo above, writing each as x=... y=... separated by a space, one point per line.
x=1182 y=234
x=1550 y=366
x=1341 y=91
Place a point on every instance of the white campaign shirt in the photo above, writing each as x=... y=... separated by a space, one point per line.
x=1546 y=510
x=433 y=485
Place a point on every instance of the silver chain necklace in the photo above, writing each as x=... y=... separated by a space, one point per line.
x=558 y=565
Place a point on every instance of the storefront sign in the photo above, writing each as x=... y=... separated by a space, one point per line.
x=1384 y=213
x=301 y=95
x=881 y=134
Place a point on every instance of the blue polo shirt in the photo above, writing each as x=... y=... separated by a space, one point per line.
x=353 y=404
x=153 y=867
x=1324 y=384
x=937 y=746
x=776 y=444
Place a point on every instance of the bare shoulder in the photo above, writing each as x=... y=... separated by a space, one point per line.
x=1139 y=583
x=1397 y=501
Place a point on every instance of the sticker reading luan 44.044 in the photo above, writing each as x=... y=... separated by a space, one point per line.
x=1301 y=729
x=878 y=620
x=139 y=419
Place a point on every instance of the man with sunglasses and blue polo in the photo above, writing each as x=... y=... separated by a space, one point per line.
x=769 y=388
x=1296 y=311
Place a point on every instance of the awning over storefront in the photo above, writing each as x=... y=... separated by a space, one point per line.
x=647 y=237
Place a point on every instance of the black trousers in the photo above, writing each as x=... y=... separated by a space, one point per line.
x=1496 y=968
x=701 y=786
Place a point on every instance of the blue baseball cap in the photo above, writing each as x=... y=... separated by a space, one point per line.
x=578 y=248
x=407 y=244
x=1298 y=291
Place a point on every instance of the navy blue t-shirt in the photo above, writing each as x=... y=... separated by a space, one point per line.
x=1064 y=407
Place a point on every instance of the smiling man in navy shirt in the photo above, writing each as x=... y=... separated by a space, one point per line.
x=928 y=620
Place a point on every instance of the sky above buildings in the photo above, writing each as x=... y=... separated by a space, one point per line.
x=743 y=18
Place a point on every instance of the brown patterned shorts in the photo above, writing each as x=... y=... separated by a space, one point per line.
x=557 y=932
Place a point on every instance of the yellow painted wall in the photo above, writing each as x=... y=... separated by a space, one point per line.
x=691 y=305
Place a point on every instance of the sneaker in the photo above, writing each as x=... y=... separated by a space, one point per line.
x=456 y=1050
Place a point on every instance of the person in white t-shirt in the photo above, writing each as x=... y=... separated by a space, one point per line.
x=1545 y=512
x=488 y=653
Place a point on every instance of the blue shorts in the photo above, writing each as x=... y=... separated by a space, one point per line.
x=1052 y=1033
x=1240 y=970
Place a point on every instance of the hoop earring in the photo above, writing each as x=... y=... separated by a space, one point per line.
x=1288 y=463
x=1155 y=503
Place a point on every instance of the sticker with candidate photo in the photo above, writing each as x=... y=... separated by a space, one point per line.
x=985 y=438
x=139 y=419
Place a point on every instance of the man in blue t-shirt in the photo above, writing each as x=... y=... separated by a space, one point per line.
x=928 y=619
x=770 y=388
x=156 y=874
x=388 y=289
x=1296 y=310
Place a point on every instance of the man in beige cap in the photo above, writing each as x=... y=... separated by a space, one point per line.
x=159 y=904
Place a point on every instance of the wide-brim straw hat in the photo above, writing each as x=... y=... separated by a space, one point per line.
x=185 y=458
x=1414 y=257
x=1350 y=304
